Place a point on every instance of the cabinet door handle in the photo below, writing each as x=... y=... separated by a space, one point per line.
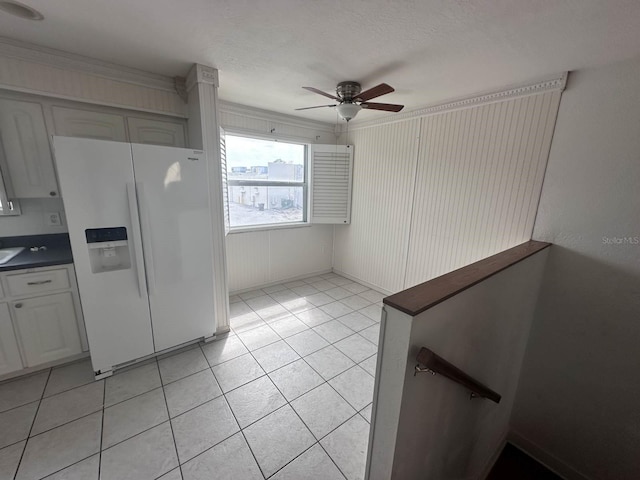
x=39 y=282
x=18 y=305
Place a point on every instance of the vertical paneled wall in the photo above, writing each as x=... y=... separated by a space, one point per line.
x=261 y=257
x=434 y=194
x=68 y=76
x=374 y=247
x=479 y=178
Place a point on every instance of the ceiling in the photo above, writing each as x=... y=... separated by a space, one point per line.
x=429 y=50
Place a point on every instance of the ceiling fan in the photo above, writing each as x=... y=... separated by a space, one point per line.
x=351 y=99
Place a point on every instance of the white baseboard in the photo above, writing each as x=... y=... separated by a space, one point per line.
x=545 y=457
x=278 y=282
x=362 y=282
x=44 y=366
x=494 y=458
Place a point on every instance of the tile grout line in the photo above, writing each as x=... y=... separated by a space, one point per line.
x=166 y=405
x=207 y=401
x=327 y=382
x=295 y=314
x=69 y=466
x=65 y=423
x=280 y=337
x=249 y=351
x=317 y=441
x=302 y=357
x=104 y=397
x=288 y=403
x=224 y=394
x=44 y=388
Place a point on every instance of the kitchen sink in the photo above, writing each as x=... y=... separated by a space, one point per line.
x=7 y=254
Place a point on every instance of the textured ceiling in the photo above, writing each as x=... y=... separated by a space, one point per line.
x=429 y=50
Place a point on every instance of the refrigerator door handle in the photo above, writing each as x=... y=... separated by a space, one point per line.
x=135 y=227
x=146 y=238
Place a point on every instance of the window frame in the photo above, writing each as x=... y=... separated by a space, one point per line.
x=305 y=184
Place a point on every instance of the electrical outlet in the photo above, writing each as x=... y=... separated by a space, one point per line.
x=53 y=219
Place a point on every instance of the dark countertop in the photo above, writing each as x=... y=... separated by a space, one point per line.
x=58 y=251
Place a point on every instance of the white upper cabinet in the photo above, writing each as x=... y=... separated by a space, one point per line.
x=9 y=353
x=154 y=132
x=83 y=123
x=26 y=149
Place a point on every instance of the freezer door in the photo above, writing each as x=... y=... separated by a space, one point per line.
x=173 y=195
x=97 y=184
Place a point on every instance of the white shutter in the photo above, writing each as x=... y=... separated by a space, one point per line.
x=225 y=186
x=331 y=180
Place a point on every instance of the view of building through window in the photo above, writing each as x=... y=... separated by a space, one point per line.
x=266 y=181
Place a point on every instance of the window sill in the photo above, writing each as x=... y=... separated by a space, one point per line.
x=260 y=228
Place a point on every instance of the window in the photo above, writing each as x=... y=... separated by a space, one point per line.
x=266 y=181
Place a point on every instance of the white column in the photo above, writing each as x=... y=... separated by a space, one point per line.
x=204 y=133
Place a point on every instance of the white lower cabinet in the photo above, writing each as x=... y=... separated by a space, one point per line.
x=9 y=353
x=47 y=327
x=41 y=319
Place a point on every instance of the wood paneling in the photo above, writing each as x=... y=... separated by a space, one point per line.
x=39 y=78
x=479 y=179
x=253 y=121
x=263 y=257
x=374 y=247
x=434 y=194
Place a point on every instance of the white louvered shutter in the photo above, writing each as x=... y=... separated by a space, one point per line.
x=331 y=180
x=225 y=186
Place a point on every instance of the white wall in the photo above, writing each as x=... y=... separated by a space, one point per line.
x=373 y=248
x=439 y=432
x=32 y=220
x=268 y=256
x=263 y=257
x=436 y=193
x=577 y=405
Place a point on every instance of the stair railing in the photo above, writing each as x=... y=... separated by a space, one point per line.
x=435 y=364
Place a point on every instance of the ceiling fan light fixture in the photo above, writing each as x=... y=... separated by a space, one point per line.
x=20 y=10
x=348 y=110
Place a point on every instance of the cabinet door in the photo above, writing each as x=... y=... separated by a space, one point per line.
x=82 y=123
x=47 y=327
x=9 y=354
x=154 y=132
x=26 y=150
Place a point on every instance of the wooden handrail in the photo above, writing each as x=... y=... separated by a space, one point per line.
x=438 y=365
x=416 y=300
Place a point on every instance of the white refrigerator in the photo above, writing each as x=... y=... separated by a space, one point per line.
x=140 y=229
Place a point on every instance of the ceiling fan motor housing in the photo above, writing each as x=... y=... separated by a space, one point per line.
x=348 y=91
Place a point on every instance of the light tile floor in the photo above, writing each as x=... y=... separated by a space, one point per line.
x=286 y=395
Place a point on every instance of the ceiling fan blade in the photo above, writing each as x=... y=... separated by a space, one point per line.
x=376 y=91
x=387 y=107
x=318 y=106
x=315 y=90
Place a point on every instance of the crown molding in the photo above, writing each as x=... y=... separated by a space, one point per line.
x=557 y=83
x=70 y=61
x=281 y=118
x=201 y=74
